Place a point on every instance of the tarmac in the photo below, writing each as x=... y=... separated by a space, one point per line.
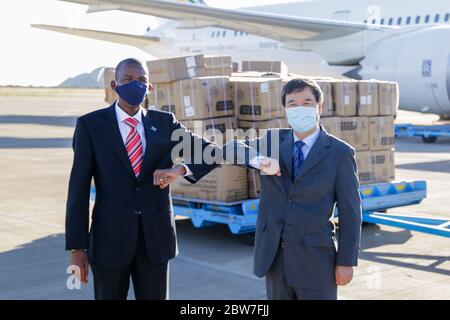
x=36 y=128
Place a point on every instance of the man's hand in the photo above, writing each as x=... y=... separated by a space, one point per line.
x=343 y=275
x=164 y=177
x=80 y=260
x=270 y=166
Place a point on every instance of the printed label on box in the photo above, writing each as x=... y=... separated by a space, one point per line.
x=190 y=62
x=189 y=111
x=264 y=87
x=346 y=100
x=187 y=101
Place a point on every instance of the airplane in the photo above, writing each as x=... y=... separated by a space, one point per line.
x=404 y=41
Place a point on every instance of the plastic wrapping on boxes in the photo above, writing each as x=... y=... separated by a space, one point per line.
x=172 y=69
x=388 y=98
x=213 y=129
x=353 y=130
x=344 y=93
x=226 y=183
x=218 y=66
x=257 y=98
x=375 y=166
x=367 y=102
x=381 y=132
x=203 y=97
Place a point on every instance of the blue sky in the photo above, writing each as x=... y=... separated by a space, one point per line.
x=38 y=57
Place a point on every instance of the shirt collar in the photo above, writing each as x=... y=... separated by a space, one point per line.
x=309 y=140
x=122 y=115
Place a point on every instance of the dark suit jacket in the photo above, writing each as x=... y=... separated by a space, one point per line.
x=300 y=212
x=99 y=153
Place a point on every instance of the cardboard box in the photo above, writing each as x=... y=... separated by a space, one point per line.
x=227 y=183
x=375 y=166
x=381 y=133
x=203 y=97
x=108 y=76
x=367 y=102
x=265 y=66
x=172 y=69
x=388 y=98
x=162 y=97
x=344 y=94
x=328 y=105
x=213 y=129
x=257 y=98
x=353 y=130
x=254 y=185
x=218 y=66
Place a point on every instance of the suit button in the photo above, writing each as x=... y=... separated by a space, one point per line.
x=138 y=189
x=283 y=244
x=137 y=212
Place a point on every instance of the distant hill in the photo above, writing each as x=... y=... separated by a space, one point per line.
x=93 y=79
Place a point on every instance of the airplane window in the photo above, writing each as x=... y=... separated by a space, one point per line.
x=391 y=21
x=224 y=33
x=408 y=20
x=373 y=21
x=427 y=18
x=212 y=34
x=417 y=19
x=242 y=33
x=436 y=18
x=447 y=17
x=235 y=33
x=365 y=21
x=399 y=21
x=382 y=21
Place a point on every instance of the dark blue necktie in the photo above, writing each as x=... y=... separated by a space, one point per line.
x=297 y=159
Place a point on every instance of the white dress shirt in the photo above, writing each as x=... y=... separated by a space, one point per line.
x=309 y=141
x=125 y=129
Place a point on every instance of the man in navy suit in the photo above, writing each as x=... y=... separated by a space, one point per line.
x=132 y=233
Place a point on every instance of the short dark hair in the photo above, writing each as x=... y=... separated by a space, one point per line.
x=126 y=62
x=298 y=84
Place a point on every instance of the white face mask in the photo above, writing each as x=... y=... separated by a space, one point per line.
x=302 y=119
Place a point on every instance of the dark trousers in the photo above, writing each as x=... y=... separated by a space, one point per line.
x=278 y=289
x=150 y=280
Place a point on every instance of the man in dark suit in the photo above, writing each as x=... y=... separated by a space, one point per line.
x=308 y=174
x=132 y=232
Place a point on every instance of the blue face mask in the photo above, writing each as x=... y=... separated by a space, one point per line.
x=302 y=119
x=132 y=92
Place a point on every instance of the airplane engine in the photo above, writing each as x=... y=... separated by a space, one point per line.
x=419 y=60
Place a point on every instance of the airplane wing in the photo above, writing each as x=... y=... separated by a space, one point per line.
x=122 y=38
x=274 y=26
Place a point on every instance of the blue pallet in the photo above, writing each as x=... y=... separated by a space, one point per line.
x=410 y=130
x=240 y=216
x=375 y=197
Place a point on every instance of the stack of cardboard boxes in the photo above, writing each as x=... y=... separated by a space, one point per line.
x=364 y=117
x=197 y=90
x=208 y=96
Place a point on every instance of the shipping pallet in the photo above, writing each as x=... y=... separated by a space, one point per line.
x=240 y=216
x=429 y=133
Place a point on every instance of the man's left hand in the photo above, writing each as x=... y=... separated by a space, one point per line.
x=344 y=275
x=164 y=177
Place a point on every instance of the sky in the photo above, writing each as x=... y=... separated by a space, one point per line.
x=43 y=58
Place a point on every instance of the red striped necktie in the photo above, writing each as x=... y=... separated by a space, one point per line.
x=134 y=146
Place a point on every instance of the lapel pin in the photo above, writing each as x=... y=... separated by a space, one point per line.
x=153 y=128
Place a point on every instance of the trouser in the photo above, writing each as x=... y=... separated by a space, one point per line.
x=277 y=287
x=150 y=280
